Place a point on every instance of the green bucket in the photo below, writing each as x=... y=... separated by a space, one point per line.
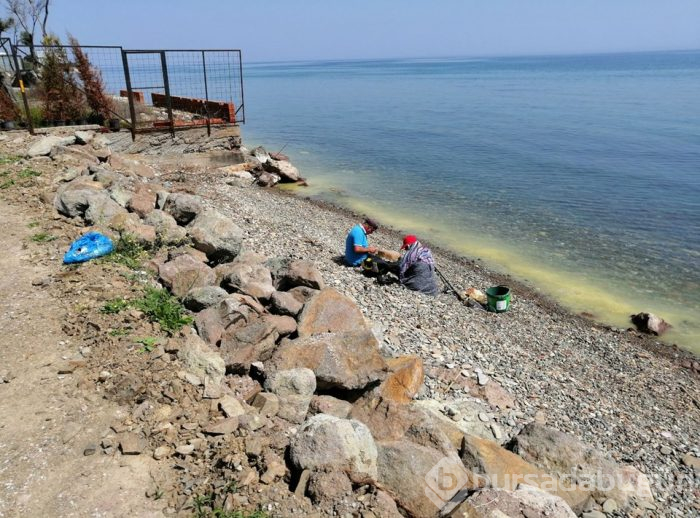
x=498 y=299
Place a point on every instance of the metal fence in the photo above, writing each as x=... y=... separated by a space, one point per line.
x=149 y=90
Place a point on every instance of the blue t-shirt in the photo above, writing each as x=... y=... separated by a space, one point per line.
x=356 y=237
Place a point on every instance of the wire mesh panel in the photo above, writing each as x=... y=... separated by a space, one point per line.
x=146 y=79
x=149 y=90
x=63 y=83
x=194 y=87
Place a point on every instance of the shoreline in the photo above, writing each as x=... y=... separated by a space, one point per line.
x=520 y=288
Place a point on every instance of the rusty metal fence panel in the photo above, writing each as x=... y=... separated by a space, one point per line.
x=150 y=90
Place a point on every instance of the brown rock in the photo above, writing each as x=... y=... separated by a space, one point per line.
x=328 y=487
x=505 y=470
x=301 y=273
x=143 y=200
x=330 y=312
x=564 y=455
x=527 y=501
x=268 y=404
x=184 y=273
x=285 y=303
x=331 y=406
x=650 y=323
x=303 y=293
x=130 y=444
x=339 y=360
x=222 y=427
x=404 y=380
x=410 y=472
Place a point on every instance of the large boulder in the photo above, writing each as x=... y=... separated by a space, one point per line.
x=300 y=273
x=216 y=235
x=295 y=388
x=282 y=168
x=184 y=273
x=252 y=279
x=101 y=209
x=650 y=323
x=464 y=421
x=203 y=297
x=201 y=360
x=329 y=443
x=130 y=224
x=285 y=303
x=503 y=469
x=348 y=361
x=566 y=456
x=241 y=345
x=44 y=146
x=73 y=198
x=404 y=380
x=74 y=156
x=330 y=311
x=183 y=207
x=143 y=200
x=526 y=501
x=167 y=229
x=411 y=473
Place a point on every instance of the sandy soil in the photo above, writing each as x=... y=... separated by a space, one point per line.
x=46 y=421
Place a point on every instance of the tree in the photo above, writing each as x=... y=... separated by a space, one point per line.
x=27 y=14
x=62 y=98
x=93 y=86
x=6 y=24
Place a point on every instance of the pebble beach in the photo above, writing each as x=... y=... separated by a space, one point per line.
x=622 y=392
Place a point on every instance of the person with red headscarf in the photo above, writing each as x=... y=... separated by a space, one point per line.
x=417 y=267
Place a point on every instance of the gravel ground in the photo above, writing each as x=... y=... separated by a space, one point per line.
x=624 y=393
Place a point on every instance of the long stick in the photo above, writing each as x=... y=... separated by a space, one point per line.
x=444 y=279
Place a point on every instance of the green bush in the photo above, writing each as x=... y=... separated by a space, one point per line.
x=128 y=252
x=160 y=306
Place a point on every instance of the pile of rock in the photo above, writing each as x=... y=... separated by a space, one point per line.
x=290 y=364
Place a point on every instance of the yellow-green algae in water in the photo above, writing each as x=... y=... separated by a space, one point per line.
x=577 y=291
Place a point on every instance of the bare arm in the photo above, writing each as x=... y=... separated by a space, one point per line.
x=365 y=249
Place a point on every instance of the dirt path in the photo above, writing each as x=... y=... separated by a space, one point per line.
x=46 y=421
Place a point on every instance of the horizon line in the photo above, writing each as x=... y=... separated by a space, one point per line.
x=482 y=56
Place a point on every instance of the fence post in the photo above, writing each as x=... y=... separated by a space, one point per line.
x=206 y=95
x=132 y=109
x=20 y=81
x=240 y=75
x=166 y=84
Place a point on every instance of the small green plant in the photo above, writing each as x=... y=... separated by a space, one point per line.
x=149 y=343
x=9 y=159
x=32 y=224
x=43 y=237
x=160 y=306
x=120 y=331
x=114 y=306
x=203 y=508
x=128 y=252
x=6 y=184
x=28 y=173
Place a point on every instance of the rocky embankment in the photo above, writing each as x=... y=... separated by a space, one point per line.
x=303 y=388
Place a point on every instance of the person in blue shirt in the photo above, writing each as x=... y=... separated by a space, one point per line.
x=357 y=248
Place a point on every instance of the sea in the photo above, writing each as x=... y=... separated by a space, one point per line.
x=578 y=175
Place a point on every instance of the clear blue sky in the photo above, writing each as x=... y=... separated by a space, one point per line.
x=283 y=30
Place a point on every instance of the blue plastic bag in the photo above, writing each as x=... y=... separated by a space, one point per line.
x=89 y=246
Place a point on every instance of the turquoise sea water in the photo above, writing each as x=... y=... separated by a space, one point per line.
x=579 y=175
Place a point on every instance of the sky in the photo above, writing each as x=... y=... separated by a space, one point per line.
x=287 y=30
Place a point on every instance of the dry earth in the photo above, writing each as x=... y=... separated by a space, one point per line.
x=46 y=421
